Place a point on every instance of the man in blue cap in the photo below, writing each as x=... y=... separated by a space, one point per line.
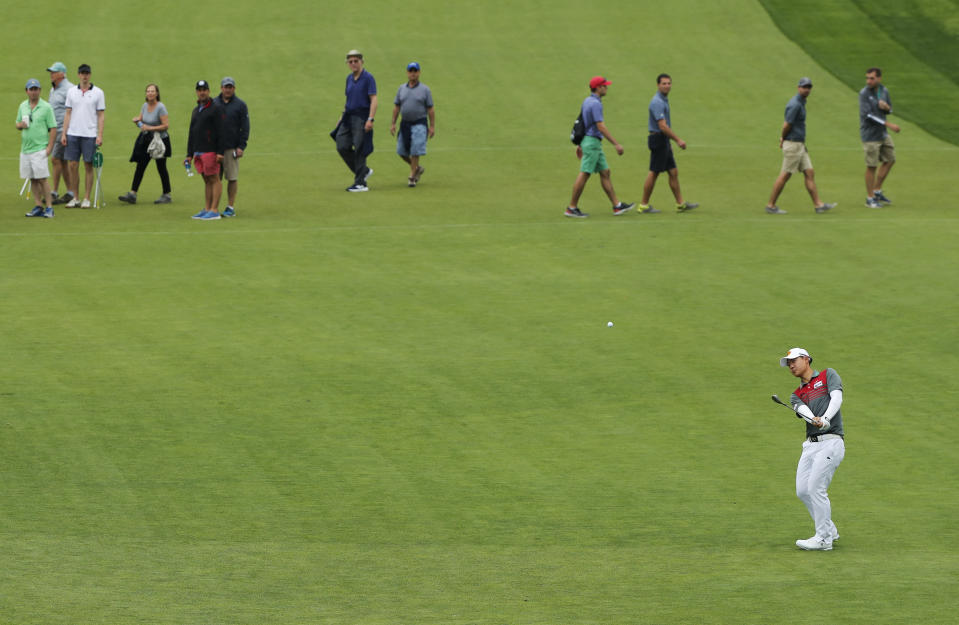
x=792 y=142
x=415 y=102
x=38 y=130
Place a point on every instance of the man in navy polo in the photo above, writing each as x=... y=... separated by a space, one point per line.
x=354 y=132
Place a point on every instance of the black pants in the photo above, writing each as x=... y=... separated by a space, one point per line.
x=161 y=169
x=349 y=143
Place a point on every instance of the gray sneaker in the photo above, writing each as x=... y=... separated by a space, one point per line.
x=881 y=197
x=686 y=207
x=128 y=197
x=825 y=207
x=649 y=210
x=775 y=210
x=872 y=203
x=163 y=199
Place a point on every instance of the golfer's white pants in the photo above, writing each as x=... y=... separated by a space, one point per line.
x=817 y=465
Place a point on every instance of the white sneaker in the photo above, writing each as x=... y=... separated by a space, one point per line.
x=85 y=204
x=815 y=543
x=73 y=203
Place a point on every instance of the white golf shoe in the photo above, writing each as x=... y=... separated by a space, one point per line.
x=816 y=543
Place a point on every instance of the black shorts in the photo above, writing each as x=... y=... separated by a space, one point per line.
x=660 y=153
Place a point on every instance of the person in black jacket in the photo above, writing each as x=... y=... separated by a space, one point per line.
x=205 y=146
x=236 y=132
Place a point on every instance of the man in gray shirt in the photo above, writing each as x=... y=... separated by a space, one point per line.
x=792 y=141
x=414 y=102
x=58 y=100
x=874 y=105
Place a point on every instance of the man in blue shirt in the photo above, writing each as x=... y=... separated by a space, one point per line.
x=792 y=141
x=874 y=105
x=354 y=131
x=661 y=150
x=590 y=151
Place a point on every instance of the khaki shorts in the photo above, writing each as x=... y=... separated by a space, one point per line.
x=34 y=166
x=879 y=151
x=231 y=166
x=795 y=157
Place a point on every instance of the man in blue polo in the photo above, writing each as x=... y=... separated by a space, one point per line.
x=590 y=151
x=874 y=105
x=354 y=132
x=661 y=150
x=792 y=141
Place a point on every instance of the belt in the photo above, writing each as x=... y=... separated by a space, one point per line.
x=823 y=437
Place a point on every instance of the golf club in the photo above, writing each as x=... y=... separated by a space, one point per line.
x=23 y=189
x=776 y=399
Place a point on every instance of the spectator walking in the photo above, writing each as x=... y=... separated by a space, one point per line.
x=792 y=142
x=661 y=150
x=354 y=131
x=590 y=151
x=153 y=118
x=874 y=105
x=414 y=102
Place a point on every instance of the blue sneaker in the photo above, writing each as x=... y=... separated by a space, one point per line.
x=229 y=211
x=48 y=213
x=36 y=212
x=199 y=215
x=210 y=215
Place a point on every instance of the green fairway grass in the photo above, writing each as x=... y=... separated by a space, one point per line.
x=914 y=43
x=406 y=406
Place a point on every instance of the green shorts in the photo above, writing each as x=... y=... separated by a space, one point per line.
x=594 y=161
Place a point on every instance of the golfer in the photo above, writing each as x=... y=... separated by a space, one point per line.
x=591 y=151
x=818 y=399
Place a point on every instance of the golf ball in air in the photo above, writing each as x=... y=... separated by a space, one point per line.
x=609 y=325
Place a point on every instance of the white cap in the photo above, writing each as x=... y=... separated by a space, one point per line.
x=795 y=352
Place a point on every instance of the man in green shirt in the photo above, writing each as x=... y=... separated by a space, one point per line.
x=38 y=130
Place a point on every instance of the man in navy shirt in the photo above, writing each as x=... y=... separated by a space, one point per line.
x=792 y=141
x=354 y=132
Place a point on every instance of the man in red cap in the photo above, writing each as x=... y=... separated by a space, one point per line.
x=590 y=152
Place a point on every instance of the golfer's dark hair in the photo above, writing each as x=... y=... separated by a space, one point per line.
x=874 y=70
x=155 y=86
x=659 y=78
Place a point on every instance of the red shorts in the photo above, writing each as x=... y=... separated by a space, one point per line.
x=206 y=164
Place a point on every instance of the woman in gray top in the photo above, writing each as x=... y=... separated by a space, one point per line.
x=152 y=118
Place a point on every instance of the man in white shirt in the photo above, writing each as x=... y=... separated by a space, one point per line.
x=83 y=132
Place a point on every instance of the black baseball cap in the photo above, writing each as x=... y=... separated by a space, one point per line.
x=83 y=69
x=202 y=84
